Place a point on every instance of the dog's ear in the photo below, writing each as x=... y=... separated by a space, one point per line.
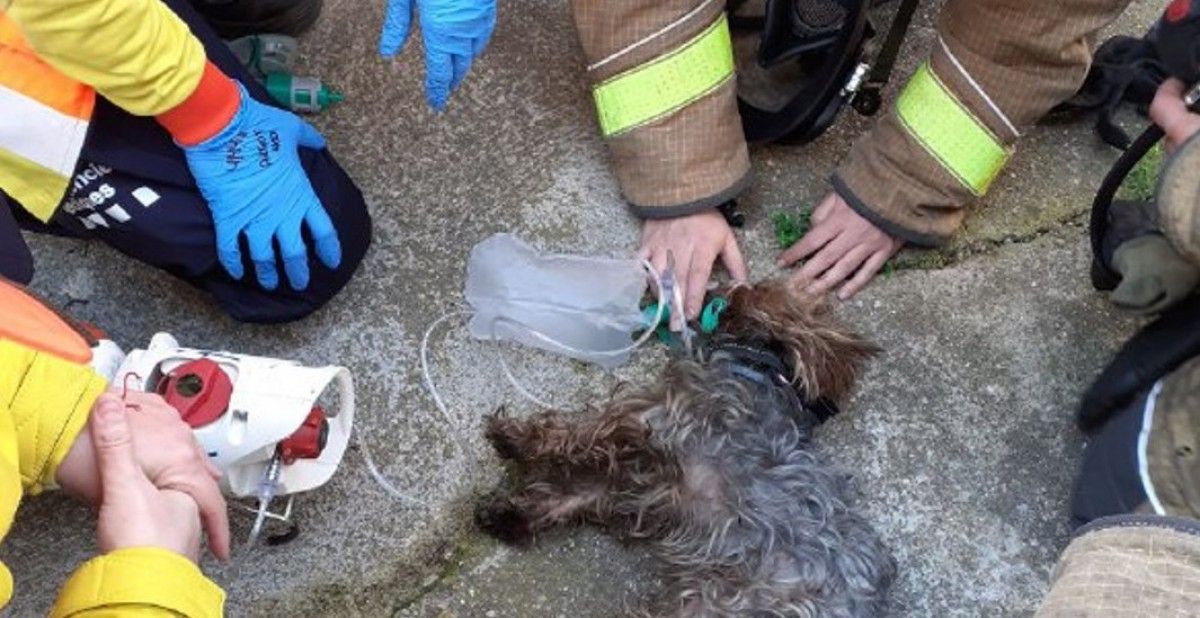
x=824 y=355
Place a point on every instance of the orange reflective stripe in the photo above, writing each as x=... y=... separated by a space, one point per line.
x=30 y=322
x=23 y=71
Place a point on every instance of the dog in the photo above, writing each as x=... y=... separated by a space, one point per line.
x=713 y=465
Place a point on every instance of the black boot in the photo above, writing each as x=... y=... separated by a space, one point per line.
x=237 y=18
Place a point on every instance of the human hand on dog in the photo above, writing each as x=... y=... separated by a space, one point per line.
x=133 y=511
x=696 y=241
x=165 y=449
x=842 y=248
x=1168 y=111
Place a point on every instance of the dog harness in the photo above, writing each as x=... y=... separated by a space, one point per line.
x=759 y=365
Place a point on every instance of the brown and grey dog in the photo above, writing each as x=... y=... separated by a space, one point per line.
x=713 y=465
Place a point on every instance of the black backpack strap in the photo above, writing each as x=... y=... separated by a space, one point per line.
x=1158 y=349
x=1103 y=277
x=885 y=61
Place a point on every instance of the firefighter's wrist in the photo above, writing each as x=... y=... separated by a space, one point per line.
x=887 y=224
x=206 y=112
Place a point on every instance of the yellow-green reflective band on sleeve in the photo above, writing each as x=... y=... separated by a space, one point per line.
x=950 y=132
x=666 y=84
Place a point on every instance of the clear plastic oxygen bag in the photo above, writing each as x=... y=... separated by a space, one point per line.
x=579 y=306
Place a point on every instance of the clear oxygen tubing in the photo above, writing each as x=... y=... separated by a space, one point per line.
x=387 y=485
x=450 y=421
x=454 y=425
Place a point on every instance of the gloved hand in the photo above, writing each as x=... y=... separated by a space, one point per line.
x=251 y=176
x=455 y=32
x=1153 y=276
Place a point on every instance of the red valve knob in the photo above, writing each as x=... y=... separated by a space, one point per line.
x=200 y=390
x=309 y=440
x=1178 y=10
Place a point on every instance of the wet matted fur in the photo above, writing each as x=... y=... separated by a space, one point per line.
x=715 y=471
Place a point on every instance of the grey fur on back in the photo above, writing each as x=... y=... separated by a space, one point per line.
x=765 y=528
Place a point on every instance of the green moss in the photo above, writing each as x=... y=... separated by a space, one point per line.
x=466 y=553
x=920 y=259
x=786 y=229
x=790 y=228
x=1143 y=178
x=463 y=554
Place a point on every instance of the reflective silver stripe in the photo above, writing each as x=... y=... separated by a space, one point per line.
x=1143 y=443
x=660 y=32
x=39 y=133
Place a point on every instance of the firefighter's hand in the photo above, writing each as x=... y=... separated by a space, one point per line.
x=133 y=511
x=842 y=249
x=695 y=241
x=1169 y=112
x=166 y=452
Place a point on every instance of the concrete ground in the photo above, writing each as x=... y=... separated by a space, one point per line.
x=960 y=435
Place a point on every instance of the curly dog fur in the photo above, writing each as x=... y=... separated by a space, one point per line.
x=715 y=470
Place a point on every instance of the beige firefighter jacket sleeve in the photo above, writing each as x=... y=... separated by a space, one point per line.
x=662 y=76
x=1128 y=566
x=996 y=67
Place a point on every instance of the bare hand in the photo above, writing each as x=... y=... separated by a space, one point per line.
x=169 y=457
x=844 y=247
x=1168 y=111
x=133 y=512
x=695 y=241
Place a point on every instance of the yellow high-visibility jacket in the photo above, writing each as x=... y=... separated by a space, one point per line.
x=46 y=392
x=55 y=55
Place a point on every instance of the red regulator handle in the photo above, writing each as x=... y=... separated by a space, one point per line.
x=308 y=440
x=200 y=390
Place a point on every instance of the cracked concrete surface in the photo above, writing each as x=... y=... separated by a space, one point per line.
x=960 y=434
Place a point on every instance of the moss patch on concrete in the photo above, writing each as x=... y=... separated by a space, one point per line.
x=468 y=552
x=1143 y=178
x=921 y=259
x=790 y=228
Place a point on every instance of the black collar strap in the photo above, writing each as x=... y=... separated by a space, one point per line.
x=765 y=368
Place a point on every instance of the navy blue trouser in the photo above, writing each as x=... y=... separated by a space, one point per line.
x=1110 y=481
x=133 y=191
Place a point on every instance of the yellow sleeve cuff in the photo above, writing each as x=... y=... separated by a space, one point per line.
x=49 y=399
x=139 y=579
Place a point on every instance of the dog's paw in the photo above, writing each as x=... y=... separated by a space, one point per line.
x=501 y=433
x=502 y=520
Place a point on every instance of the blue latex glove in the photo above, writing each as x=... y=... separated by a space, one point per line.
x=455 y=32
x=251 y=176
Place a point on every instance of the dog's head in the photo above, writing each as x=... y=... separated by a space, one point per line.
x=823 y=356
